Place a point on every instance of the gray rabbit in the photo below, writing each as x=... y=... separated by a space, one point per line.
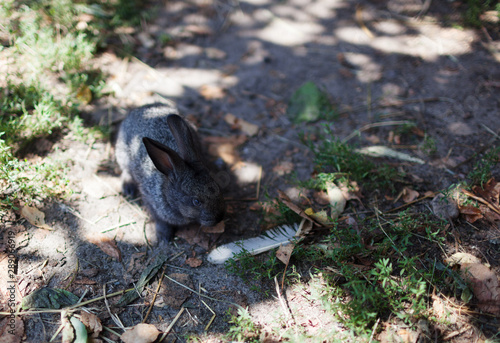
x=160 y=155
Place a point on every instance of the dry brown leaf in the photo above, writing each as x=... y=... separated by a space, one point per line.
x=336 y=198
x=350 y=191
x=193 y=235
x=225 y=147
x=489 y=192
x=141 y=333
x=210 y=92
x=320 y=216
x=202 y=30
x=219 y=228
x=107 y=245
x=35 y=217
x=485 y=286
x=194 y=262
x=173 y=294
x=283 y=168
x=284 y=253
x=471 y=213
x=321 y=198
x=409 y=195
x=227 y=152
x=237 y=123
x=11 y=332
x=461 y=258
x=490 y=215
x=91 y=322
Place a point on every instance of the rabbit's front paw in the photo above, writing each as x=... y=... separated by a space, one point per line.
x=129 y=189
x=164 y=230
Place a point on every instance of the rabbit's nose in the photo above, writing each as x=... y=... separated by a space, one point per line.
x=212 y=219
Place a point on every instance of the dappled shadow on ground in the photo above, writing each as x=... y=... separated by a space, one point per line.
x=377 y=63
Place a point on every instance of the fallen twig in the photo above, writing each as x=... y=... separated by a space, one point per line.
x=412 y=202
x=481 y=200
x=154 y=295
x=456 y=333
x=373 y=330
x=202 y=295
x=171 y=325
x=213 y=315
x=280 y=298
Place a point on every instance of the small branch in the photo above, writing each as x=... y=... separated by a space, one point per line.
x=481 y=200
x=213 y=315
x=374 y=329
x=154 y=296
x=411 y=202
x=280 y=298
x=171 y=325
x=202 y=295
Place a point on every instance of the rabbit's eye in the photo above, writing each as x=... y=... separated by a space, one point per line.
x=196 y=202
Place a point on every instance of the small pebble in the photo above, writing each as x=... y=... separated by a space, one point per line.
x=444 y=208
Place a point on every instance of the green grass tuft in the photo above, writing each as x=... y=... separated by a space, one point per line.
x=340 y=160
x=48 y=50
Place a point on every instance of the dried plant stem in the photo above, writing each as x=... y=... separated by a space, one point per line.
x=171 y=325
x=202 y=295
x=481 y=200
x=280 y=298
x=213 y=315
x=154 y=296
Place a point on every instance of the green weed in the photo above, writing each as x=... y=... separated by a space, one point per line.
x=392 y=281
x=22 y=180
x=428 y=145
x=251 y=268
x=474 y=10
x=334 y=156
x=481 y=172
x=243 y=328
x=48 y=77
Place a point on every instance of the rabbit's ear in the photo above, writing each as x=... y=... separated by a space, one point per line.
x=165 y=159
x=188 y=144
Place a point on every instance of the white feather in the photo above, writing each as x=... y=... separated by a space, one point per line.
x=271 y=239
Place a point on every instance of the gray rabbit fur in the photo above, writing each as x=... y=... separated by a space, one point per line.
x=160 y=156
